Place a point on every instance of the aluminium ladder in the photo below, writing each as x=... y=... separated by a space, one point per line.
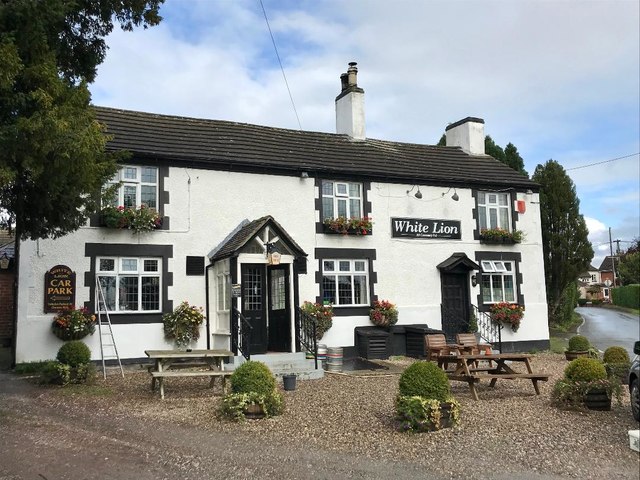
x=105 y=330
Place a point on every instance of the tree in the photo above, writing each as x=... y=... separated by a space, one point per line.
x=513 y=158
x=53 y=160
x=629 y=265
x=567 y=251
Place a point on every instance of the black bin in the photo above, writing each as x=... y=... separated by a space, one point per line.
x=415 y=339
x=373 y=342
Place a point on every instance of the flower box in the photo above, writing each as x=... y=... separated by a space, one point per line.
x=348 y=226
x=507 y=313
x=500 y=236
x=143 y=219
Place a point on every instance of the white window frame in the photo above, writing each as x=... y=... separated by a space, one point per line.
x=487 y=205
x=137 y=183
x=498 y=268
x=351 y=272
x=223 y=289
x=338 y=196
x=140 y=273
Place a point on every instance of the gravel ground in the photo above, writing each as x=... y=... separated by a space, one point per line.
x=509 y=433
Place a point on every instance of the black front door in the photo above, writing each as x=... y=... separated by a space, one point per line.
x=254 y=304
x=279 y=311
x=455 y=303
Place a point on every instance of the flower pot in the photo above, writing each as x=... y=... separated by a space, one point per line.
x=573 y=355
x=254 y=411
x=289 y=382
x=597 y=399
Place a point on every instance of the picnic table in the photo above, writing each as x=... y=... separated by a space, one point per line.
x=467 y=369
x=181 y=363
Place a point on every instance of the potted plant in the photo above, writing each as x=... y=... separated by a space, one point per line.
x=254 y=393
x=617 y=362
x=345 y=226
x=507 y=313
x=183 y=324
x=323 y=314
x=585 y=383
x=383 y=314
x=424 y=402
x=143 y=219
x=578 y=347
x=500 y=235
x=73 y=324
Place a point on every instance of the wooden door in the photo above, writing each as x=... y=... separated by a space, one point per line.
x=279 y=310
x=254 y=298
x=455 y=303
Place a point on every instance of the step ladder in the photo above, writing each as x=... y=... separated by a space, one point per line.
x=107 y=341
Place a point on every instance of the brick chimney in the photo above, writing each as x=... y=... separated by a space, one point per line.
x=468 y=134
x=350 y=105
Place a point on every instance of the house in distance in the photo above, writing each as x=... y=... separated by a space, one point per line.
x=256 y=220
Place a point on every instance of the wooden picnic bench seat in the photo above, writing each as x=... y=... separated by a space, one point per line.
x=436 y=345
x=476 y=377
x=200 y=373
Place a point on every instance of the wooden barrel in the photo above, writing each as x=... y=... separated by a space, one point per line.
x=334 y=359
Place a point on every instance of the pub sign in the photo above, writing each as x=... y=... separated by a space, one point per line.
x=59 y=289
x=425 y=228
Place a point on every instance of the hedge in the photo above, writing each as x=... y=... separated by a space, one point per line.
x=627 y=296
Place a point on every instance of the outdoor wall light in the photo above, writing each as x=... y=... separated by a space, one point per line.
x=304 y=175
x=418 y=194
x=455 y=196
x=474 y=281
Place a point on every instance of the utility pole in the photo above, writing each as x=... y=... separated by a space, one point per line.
x=617 y=246
x=610 y=243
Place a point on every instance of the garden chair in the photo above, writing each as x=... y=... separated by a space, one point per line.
x=470 y=345
x=436 y=345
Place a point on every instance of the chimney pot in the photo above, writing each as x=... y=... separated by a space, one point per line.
x=344 y=82
x=352 y=72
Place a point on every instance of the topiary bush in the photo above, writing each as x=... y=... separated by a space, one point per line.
x=578 y=343
x=425 y=379
x=616 y=355
x=254 y=377
x=585 y=369
x=74 y=353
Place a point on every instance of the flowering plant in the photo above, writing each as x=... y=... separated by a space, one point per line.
x=344 y=225
x=383 y=313
x=183 y=324
x=141 y=219
x=500 y=234
x=323 y=315
x=73 y=324
x=507 y=313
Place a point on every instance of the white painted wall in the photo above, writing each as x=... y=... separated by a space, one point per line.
x=207 y=205
x=469 y=136
x=350 y=115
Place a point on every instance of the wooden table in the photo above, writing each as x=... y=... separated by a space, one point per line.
x=467 y=369
x=175 y=363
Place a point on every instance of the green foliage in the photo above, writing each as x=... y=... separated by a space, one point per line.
x=627 y=296
x=30 y=368
x=585 y=369
x=253 y=376
x=616 y=355
x=629 y=267
x=582 y=302
x=74 y=353
x=425 y=379
x=53 y=161
x=143 y=219
x=578 y=343
x=323 y=315
x=571 y=394
x=513 y=159
x=183 y=324
x=359 y=226
x=58 y=373
x=234 y=405
x=419 y=414
x=566 y=248
x=566 y=305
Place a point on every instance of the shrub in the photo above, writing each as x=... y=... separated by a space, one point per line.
x=585 y=369
x=582 y=302
x=234 y=404
x=254 y=377
x=74 y=353
x=183 y=324
x=421 y=414
x=425 y=379
x=627 y=296
x=616 y=355
x=578 y=343
x=596 y=301
x=55 y=373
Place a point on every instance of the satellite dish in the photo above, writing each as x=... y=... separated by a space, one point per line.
x=607 y=282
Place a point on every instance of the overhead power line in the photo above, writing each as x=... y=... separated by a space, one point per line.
x=604 y=161
x=280 y=62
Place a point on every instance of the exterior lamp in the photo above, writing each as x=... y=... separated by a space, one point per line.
x=418 y=193
x=455 y=196
x=474 y=280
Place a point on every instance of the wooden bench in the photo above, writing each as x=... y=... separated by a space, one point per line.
x=160 y=376
x=476 y=377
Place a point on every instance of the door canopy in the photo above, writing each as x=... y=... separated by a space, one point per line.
x=458 y=262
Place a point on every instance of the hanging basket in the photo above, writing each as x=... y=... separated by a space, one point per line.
x=66 y=334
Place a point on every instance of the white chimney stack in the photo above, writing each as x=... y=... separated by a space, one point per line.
x=468 y=134
x=350 y=105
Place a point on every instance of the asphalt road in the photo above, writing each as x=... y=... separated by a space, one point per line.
x=606 y=327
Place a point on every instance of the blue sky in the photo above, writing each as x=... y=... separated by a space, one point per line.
x=558 y=79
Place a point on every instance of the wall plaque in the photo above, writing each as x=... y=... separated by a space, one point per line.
x=236 y=290
x=425 y=228
x=59 y=289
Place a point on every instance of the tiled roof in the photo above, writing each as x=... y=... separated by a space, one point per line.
x=607 y=264
x=216 y=144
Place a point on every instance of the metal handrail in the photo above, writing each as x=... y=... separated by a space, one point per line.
x=306 y=329
x=489 y=330
x=240 y=334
